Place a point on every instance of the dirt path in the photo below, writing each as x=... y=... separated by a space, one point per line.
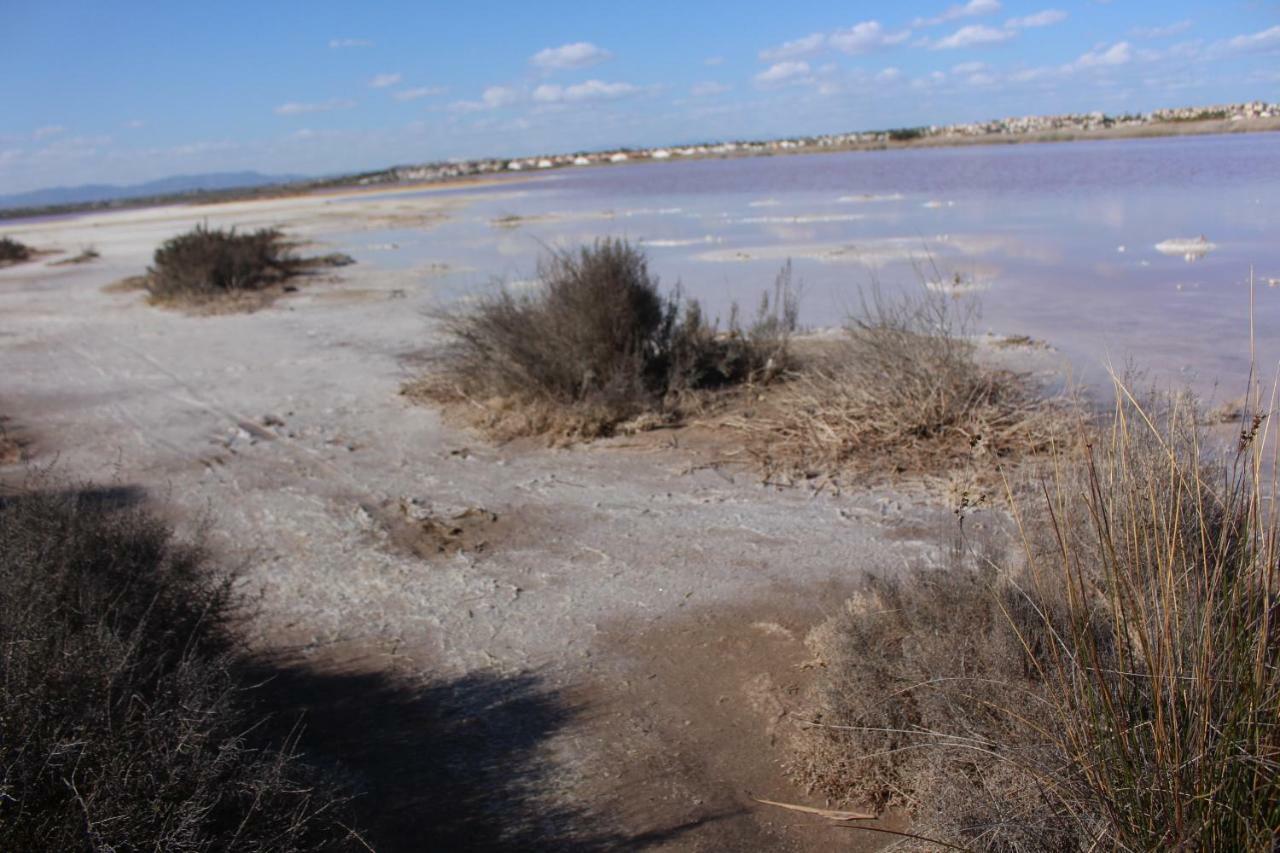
x=602 y=648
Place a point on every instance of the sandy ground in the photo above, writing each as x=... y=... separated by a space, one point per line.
x=606 y=654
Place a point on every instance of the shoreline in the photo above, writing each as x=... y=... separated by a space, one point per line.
x=355 y=188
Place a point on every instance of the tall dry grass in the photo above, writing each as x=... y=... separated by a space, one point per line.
x=1115 y=687
x=1160 y=655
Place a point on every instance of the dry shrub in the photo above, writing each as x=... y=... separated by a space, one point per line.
x=903 y=392
x=13 y=252
x=913 y=710
x=206 y=264
x=123 y=725
x=1118 y=687
x=594 y=345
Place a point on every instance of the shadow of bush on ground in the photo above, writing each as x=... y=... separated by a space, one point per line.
x=459 y=764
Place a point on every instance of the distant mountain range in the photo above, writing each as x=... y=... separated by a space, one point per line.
x=90 y=193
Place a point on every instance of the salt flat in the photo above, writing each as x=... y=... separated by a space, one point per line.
x=662 y=601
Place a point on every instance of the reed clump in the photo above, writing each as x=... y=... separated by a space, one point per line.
x=1115 y=685
x=596 y=346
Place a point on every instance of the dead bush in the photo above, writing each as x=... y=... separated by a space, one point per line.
x=596 y=344
x=13 y=252
x=123 y=724
x=903 y=392
x=207 y=264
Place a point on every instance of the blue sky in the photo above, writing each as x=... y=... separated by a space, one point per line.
x=126 y=92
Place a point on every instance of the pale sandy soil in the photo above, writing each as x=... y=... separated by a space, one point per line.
x=614 y=662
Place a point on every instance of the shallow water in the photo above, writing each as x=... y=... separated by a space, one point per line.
x=1058 y=241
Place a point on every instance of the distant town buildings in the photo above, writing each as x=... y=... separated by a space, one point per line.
x=1023 y=126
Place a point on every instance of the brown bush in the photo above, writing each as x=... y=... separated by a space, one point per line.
x=903 y=392
x=13 y=252
x=123 y=724
x=595 y=344
x=207 y=264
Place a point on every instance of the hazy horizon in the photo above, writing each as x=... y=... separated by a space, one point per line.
x=138 y=95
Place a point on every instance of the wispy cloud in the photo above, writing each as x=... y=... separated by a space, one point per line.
x=493 y=98
x=579 y=54
x=972 y=35
x=1264 y=41
x=1162 y=32
x=419 y=93
x=1047 y=18
x=862 y=37
x=780 y=73
x=134 y=124
x=712 y=61
x=866 y=37
x=888 y=75
x=1119 y=53
x=708 y=88
x=295 y=108
x=591 y=90
x=972 y=9
x=806 y=46
x=47 y=131
x=382 y=81
x=339 y=44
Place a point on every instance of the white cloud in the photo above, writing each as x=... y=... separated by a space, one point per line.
x=1040 y=19
x=968 y=68
x=708 y=88
x=782 y=72
x=866 y=36
x=712 y=61
x=579 y=54
x=972 y=9
x=382 y=81
x=419 y=92
x=47 y=131
x=591 y=90
x=888 y=75
x=1162 y=32
x=974 y=34
x=860 y=38
x=134 y=124
x=806 y=46
x=294 y=108
x=1118 y=54
x=1266 y=40
x=495 y=97
x=338 y=44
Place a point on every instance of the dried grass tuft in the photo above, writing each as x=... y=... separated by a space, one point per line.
x=903 y=392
